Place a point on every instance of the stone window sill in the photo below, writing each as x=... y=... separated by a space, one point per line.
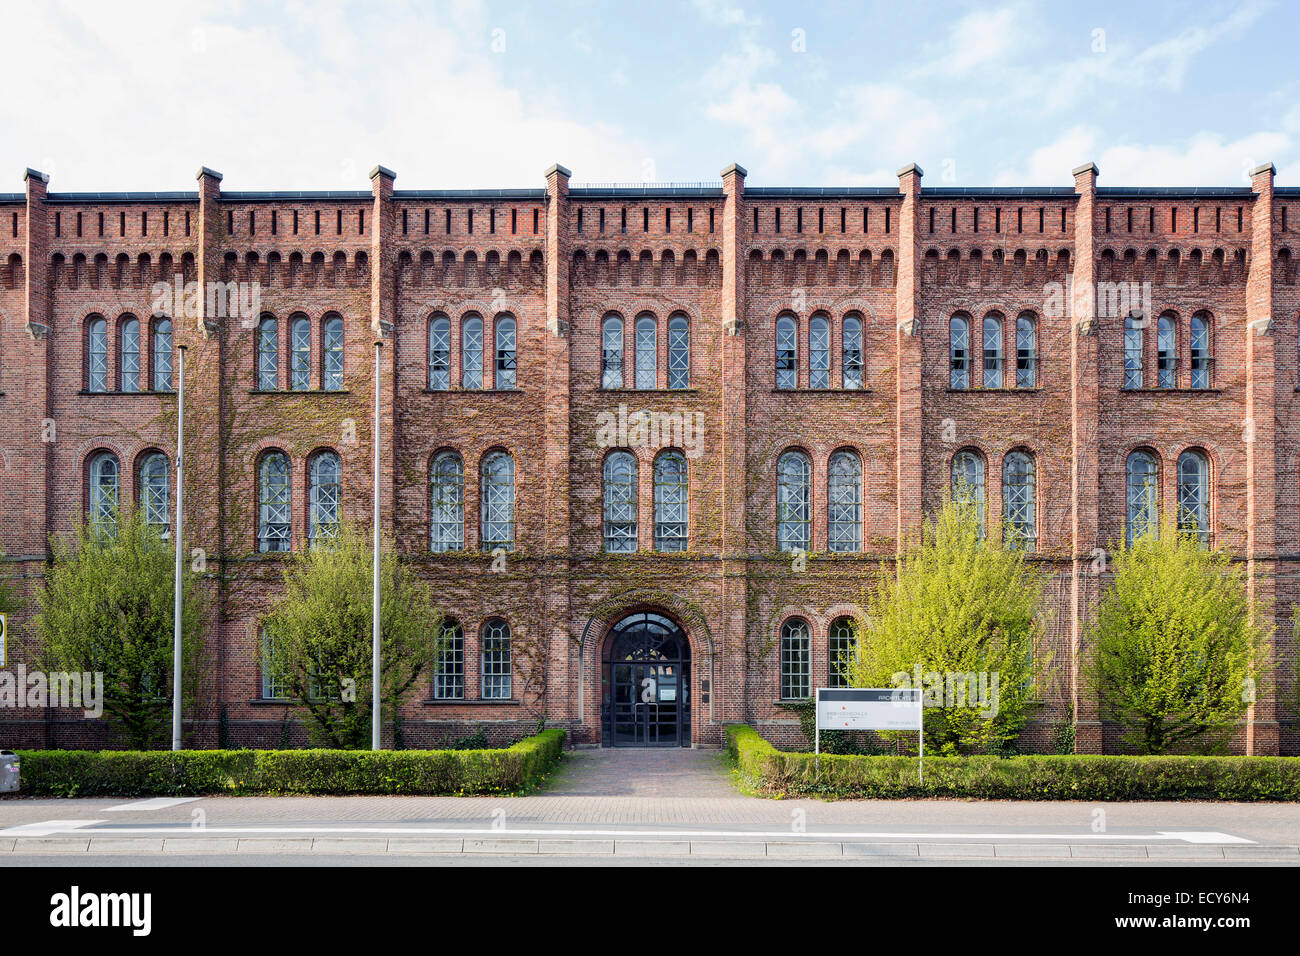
x=471 y=391
x=1151 y=390
x=995 y=391
x=649 y=391
x=146 y=394
x=299 y=391
x=470 y=702
x=821 y=391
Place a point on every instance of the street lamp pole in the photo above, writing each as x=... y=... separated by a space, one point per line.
x=375 y=714
x=179 y=533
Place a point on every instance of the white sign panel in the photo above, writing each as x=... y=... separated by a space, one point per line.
x=858 y=708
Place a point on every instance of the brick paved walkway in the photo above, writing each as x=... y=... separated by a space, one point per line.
x=629 y=772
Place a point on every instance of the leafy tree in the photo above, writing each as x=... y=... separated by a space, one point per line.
x=108 y=607
x=956 y=607
x=318 y=636
x=1176 y=654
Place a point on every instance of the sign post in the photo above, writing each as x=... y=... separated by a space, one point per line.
x=871 y=708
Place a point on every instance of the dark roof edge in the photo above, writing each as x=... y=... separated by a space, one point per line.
x=847 y=192
x=469 y=193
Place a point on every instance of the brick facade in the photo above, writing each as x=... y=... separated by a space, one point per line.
x=731 y=260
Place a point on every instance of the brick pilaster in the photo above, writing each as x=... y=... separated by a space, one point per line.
x=907 y=344
x=33 y=537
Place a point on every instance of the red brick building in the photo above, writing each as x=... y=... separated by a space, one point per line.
x=817 y=364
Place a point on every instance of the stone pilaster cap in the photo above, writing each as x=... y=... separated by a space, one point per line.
x=204 y=171
x=911 y=168
x=382 y=171
x=1085 y=168
x=1265 y=168
x=37 y=175
x=735 y=168
x=557 y=169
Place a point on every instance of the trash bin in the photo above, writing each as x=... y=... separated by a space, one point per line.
x=8 y=771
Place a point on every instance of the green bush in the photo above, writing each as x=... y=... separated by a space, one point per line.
x=118 y=773
x=1029 y=777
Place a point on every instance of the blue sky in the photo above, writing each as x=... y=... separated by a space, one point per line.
x=309 y=94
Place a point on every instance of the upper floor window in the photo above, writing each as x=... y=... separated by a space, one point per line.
x=1133 y=336
x=620 y=492
x=447 y=503
x=471 y=352
x=787 y=352
x=326 y=496
x=844 y=503
x=796 y=660
x=671 y=500
x=968 y=483
x=819 y=352
x=611 y=352
x=1167 y=352
x=992 y=351
x=839 y=646
x=495 y=668
x=162 y=355
x=1026 y=352
x=647 y=352
x=1142 y=478
x=128 y=366
x=1018 y=501
x=851 y=366
x=97 y=355
x=440 y=353
x=268 y=354
x=154 y=491
x=959 y=351
x=679 y=352
x=104 y=492
x=332 y=340
x=273 y=503
x=497 y=494
x=300 y=354
x=505 y=352
x=1194 y=496
x=1200 y=350
x=449 y=668
x=793 y=505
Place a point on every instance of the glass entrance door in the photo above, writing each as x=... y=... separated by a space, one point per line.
x=647 y=684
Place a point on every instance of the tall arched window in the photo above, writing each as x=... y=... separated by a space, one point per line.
x=620 y=494
x=839 y=647
x=326 y=496
x=495 y=669
x=268 y=354
x=1142 y=495
x=104 y=488
x=128 y=365
x=819 y=352
x=447 y=503
x=1200 y=350
x=844 y=503
x=97 y=355
x=154 y=492
x=300 y=354
x=992 y=351
x=647 y=352
x=611 y=352
x=1194 y=496
x=162 y=355
x=793 y=505
x=959 y=352
x=1167 y=352
x=332 y=341
x=497 y=497
x=671 y=502
x=796 y=660
x=1133 y=326
x=787 y=352
x=439 y=353
x=1019 y=501
x=274 y=514
x=449 y=666
x=471 y=352
x=1026 y=352
x=851 y=364
x=968 y=483
x=505 y=364
x=679 y=352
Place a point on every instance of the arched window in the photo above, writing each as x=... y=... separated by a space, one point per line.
x=1194 y=496
x=793 y=507
x=620 y=492
x=787 y=352
x=819 y=352
x=449 y=666
x=1167 y=352
x=154 y=492
x=440 y=353
x=647 y=352
x=959 y=351
x=333 y=346
x=326 y=496
x=851 y=366
x=844 y=503
x=497 y=495
x=968 y=483
x=671 y=502
x=97 y=355
x=679 y=352
x=1142 y=496
x=611 y=352
x=505 y=366
x=839 y=647
x=1133 y=351
x=1200 y=350
x=1019 y=502
x=273 y=503
x=1026 y=352
x=992 y=351
x=104 y=488
x=300 y=354
x=162 y=355
x=796 y=660
x=268 y=354
x=447 y=503
x=471 y=352
x=495 y=670
x=128 y=366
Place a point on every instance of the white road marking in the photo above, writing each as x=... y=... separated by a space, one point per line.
x=155 y=803
x=47 y=827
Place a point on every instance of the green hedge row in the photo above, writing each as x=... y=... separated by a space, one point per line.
x=770 y=771
x=136 y=773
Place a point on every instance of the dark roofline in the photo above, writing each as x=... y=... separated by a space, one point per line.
x=846 y=192
x=469 y=194
x=992 y=192
x=296 y=195
x=1178 y=192
x=7 y=198
x=646 y=192
x=63 y=198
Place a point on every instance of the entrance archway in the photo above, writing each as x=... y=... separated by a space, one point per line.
x=646 y=683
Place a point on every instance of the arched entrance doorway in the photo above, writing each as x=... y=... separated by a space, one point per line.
x=646 y=683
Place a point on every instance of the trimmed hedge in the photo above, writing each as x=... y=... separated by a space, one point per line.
x=1075 y=777
x=139 y=773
